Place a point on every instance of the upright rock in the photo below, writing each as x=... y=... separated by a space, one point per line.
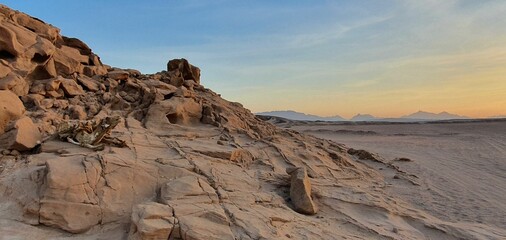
x=183 y=69
x=300 y=191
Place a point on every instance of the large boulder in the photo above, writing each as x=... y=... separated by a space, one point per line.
x=118 y=75
x=300 y=191
x=182 y=68
x=21 y=135
x=69 y=201
x=11 y=108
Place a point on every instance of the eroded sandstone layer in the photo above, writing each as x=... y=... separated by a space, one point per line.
x=196 y=166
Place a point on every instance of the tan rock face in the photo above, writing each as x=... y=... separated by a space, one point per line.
x=68 y=200
x=300 y=191
x=21 y=135
x=177 y=111
x=153 y=221
x=34 y=50
x=183 y=189
x=11 y=108
x=14 y=83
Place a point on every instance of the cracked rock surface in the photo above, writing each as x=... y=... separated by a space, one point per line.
x=195 y=167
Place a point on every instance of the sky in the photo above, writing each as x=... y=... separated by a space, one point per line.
x=386 y=58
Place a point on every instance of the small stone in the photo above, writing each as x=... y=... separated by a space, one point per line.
x=78 y=112
x=15 y=153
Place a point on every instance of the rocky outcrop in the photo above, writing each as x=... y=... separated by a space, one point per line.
x=34 y=50
x=300 y=191
x=181 y=69
x=196 y=166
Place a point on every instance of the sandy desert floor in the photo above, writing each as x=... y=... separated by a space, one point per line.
x=457 y=171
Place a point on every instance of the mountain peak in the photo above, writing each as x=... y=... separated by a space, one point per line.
x=363 y=117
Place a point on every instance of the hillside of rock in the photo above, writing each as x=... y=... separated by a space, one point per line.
x=195 y=166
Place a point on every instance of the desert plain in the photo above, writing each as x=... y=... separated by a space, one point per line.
x=456 y=169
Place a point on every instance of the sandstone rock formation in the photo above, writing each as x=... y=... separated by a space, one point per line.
x=300 y=191
x=32 y=50
x=196 y=166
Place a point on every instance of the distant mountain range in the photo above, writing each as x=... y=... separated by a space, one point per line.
x=434 y=116
x=498 y=116
x=300 y=116
x=414 y=117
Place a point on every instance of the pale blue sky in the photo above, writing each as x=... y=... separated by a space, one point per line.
x=386 y=58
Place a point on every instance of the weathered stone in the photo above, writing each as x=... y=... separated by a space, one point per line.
x=182 y=111
x=300 y=191
x=88 y=83
x=91 y=71
x=11 y=108
x=61 y=103
x=242 y=157
x=46 y=103
x=68 y=200
x=78 y=112
x=153 y=221
x=203 y=221
x=186 y=70
x=181 y=189
x=118 y=75
x=47 y=85
x=70 y=87
x=77 y=44
x=32 y=99
x=65 y=65
x=20 y=135
x=4 y=69
x=42 y=29
x=14 y=83
x=184 y=92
